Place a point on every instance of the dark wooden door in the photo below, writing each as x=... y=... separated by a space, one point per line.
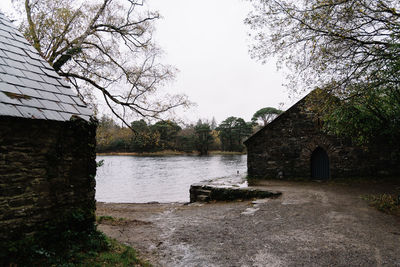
x=320 y=164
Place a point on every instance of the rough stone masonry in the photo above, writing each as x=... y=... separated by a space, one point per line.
x=284 y=149
x=47 y=168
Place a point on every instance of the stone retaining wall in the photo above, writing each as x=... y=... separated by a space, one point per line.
x=47 y=168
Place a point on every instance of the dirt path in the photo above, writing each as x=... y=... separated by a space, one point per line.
x=311 y=224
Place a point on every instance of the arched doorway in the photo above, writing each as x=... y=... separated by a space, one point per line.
x=319 y=164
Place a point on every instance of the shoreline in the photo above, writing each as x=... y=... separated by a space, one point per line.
x=167 y=153
x=320 y=219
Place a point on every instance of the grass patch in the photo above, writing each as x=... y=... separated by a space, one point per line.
x=117 y=254
x=69 y=240
x=387 y=203
x=100 y=219
x=93 y=250
x=108 y=219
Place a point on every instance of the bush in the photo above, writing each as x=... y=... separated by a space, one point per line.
x=386 y=203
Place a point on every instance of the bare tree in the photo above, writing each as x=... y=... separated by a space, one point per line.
x=348 y=48
x=104 y=46
x=330 y=42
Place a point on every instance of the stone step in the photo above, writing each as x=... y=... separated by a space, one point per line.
x=203 y=191
x=203 y=198
x=206 y=193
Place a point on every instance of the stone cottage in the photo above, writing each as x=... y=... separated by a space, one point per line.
x=47 y=142
x=294 y=146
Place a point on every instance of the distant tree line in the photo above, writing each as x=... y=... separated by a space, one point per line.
x=204 y=136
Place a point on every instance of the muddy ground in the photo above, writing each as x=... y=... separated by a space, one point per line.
x=311 y=224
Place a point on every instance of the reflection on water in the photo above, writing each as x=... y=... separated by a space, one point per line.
x=132 y=179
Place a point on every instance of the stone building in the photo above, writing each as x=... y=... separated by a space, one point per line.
x=294 y=146
x=47 y=142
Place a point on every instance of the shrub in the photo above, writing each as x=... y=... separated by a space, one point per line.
x=386 y=203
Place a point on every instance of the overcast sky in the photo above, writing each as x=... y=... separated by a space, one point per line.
x=208 y=42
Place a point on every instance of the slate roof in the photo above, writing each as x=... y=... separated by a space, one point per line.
x=29 y=86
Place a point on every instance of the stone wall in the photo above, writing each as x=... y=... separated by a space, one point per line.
x=204 y=192
x=47 y=168
x=284 y=147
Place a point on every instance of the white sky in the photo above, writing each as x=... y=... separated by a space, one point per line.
x=208 y=42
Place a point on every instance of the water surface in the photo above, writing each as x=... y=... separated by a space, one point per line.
x=136 y=179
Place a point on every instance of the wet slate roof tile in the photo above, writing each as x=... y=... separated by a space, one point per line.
x=32 y=76
x=7 y=28
x=13 y=49
x=29 y=91
x=14 y=64
x=2 y=45
x=2 y=54
x=69 y=92
x=48 y=95
x=5 y=34
x=20 y=34
x=2 y=61
x=3 y=27
x=14 y=56
x=31 y=102
x=68 y=108
x=32 y=49
x=50 y=88
x=6 y=87
x=66 y=116
x=12 y=71
x=16 y=44
x=9 y=110
x=78 y=101
x=33 y=55
x=9 y=78
x=6 y=97
x=34 y=68
x=63 y=83
x=20 y=38
x=50 y=80
x=3 y=39
x=47 y=65
x=29 y=112
x=52 y=73
x=31 y=83
x=84 y=110
x=52 y=115
x=29 y=86
x=65 y=99
x=51 y=105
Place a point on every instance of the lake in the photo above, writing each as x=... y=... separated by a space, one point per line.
x=137 y=179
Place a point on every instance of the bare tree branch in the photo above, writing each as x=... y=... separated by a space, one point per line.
x=105 y=46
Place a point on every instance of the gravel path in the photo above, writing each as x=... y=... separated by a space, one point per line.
x=311 y=224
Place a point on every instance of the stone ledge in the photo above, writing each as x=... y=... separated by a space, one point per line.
x=205 y=193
